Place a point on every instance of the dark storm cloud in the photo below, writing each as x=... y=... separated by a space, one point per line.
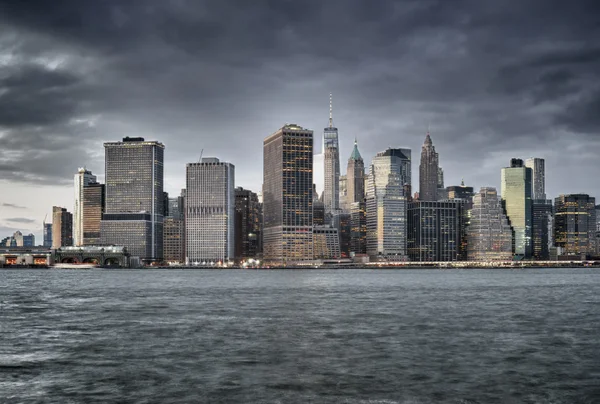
x=221 y=75
x=23 y=220
x=12 y=205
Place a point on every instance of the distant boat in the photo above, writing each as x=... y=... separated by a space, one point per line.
x=73 y=266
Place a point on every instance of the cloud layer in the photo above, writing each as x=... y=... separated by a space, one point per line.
x=494 y=80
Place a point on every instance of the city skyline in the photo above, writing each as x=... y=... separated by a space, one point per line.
x=487 y=102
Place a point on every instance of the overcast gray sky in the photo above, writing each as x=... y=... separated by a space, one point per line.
x=493 y=79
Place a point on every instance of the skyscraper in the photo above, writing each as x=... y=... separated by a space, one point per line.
x=386 y=204
x=460 y=192
x=428 y=171
x=331 y=159
x=174 y=232
x=575 y=224
x=92 y=205
x=210 y=211
x=62 y=227
x=538 y=177
x=287 y=195
x=358 y=232
x=355 y=177
x=247 y=224
x=47 y=234
x=82 y=178
x=516 y=196
x=134 y=207
x=541 y=211
x=489 y=235
x=435 y=230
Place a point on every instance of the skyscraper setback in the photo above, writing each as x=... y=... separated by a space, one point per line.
x=134 y=208
x=331 y=192
x=287 y=195
x=428 y=171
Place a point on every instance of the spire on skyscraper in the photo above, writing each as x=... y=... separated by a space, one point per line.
x=355 y=153
x=330 y=110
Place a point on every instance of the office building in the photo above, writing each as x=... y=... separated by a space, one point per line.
x=489 y=234
x=358 y=231
x=82 y=179
x=210 y=212
x=342 y=222
x=575 y=224
x=428 y=171
x=386 y=204
x=516 y=197
x=319 y=213
x=541 y=210
x=247 y=224
x=92 y=208
x=460 y=192
x=326 y=242
x=47 y=234
x=62 y=227
x=287 y=195
x=331 y=159
x=174 y=232
x=355 y=177
x=134 y=204
x=435 y=230
x=538 y=177
x=18 y=239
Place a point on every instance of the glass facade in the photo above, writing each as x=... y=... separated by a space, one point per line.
x=538 y=177
x=386 y=204
x=435 y=230
x=47 y=234
x=82 y=179
x=358 y=234
x=342 y=221
x=542 y=215
x=489 y=235
x=575 y=224
x=287 y=195
x=331 y=161
x=516 y=196
x=247 y=224
x=134 y=184
x=210 y=211
x=92 y=208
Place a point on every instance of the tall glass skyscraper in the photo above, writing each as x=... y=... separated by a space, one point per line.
x=428 y=171
x=62 y=227
x=386 y=204
x=331 y=161
x=287 y=195
x=489 y=235
x=82 y=179
x=93 y=208
x=134 y=207
x=538 y=177
x=516 y=196
x=210 y=211
x=247 y=224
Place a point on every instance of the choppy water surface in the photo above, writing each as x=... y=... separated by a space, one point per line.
x=345 y=336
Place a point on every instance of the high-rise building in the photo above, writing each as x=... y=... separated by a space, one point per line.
x=174 y=231
x=326 y=242
x=343 y=193
x=538 y=177
x=62 y=227
x=342 y=222
x=358 y=232
x=82 y=179
x=210 y=211
x=575 y=224
x=355 y=177
x=92 y=208
x=47 y=234
x=134 y=206
x=18 y=239
x=516 y=197
x=435 y=230
x=331 y=153
x=386 y=204
x=541 y=210
x=489 y=235
x=428 y=171
x=287 y=195
x=460 y=192
x=247 y=224
x=441 y=190
x=318 y=213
